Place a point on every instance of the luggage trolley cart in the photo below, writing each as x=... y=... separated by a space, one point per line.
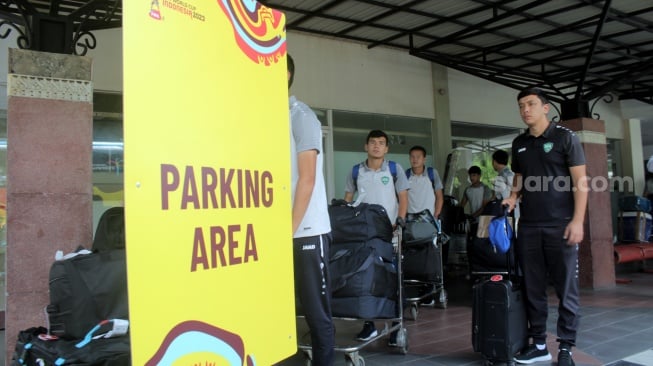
x=422 y=262
x=348 y=326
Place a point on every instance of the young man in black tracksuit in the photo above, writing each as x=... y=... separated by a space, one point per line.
x=550 y=179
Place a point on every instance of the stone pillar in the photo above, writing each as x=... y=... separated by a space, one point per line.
x=49 y=189
x=596 y=255
x=441 y=126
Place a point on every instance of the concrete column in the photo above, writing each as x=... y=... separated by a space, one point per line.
x=441 y=126
x=596 y=257
x=633 y=155
x=49 y=189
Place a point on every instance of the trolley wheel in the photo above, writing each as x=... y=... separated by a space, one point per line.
x=414 y=311
x=354 y=361
x=402 y=340
x=442 y=300
x=308 y=357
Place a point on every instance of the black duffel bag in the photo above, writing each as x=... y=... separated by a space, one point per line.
x=359 y=223
x=360 y=271
x=34 y=347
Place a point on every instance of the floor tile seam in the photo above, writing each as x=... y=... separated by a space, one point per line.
x=600 y=345
x=611 y=324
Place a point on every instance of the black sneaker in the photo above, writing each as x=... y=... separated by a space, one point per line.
x=564 y=358
x=531 y=354
x=368 y=332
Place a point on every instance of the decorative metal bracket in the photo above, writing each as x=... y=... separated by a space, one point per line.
x=608 y=98
x=555 y=118
x=93 y=13
x=18 y=22
x=75 y=28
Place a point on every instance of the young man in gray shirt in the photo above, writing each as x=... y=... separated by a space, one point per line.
x=376 y=184
x=310 y=226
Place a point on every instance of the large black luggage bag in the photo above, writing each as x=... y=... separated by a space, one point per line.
x=359 y=223
x=363 y=283
x=422 y=261
x=89 y=288
x=499 y=325
x=33 y=348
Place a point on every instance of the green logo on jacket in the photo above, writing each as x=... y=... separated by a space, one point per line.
x=385 y=180
x=548 y=147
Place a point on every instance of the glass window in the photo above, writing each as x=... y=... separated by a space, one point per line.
x=474 y=144
x=350 y=130
x=108 y=161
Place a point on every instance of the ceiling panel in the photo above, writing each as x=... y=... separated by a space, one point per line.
x=570 y=48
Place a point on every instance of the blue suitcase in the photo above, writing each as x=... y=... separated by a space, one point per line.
x=634 y=204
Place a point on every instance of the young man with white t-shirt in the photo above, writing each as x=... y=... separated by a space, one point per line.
x=376 y=184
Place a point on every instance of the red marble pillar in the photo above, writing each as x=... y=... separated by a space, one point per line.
x=49 y=189
x=596 y=255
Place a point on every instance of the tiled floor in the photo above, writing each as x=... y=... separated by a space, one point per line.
x=616 y=329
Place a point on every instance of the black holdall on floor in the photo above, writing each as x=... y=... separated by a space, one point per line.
x=35 y=348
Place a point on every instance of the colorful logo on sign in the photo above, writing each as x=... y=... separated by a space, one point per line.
x=155 y=11
x=196 y=343
x=259 y=31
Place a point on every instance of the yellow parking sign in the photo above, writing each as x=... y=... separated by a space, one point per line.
x=207 y=183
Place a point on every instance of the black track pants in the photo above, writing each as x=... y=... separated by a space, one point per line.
x=313 y=289
x=544 y=255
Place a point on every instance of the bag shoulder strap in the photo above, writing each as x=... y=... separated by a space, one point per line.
x=431 y=174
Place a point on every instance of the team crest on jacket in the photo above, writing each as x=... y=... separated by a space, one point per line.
x=547 y=147
x=385 y=180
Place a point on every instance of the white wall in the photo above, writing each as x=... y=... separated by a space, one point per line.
x=478 y=101
x=348 y=76
x=107 y=60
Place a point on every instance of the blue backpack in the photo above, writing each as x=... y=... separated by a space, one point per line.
x=391 y=164
x=429 y=171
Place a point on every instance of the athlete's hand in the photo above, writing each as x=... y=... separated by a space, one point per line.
x=574 y=233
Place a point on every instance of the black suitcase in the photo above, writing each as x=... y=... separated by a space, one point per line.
x=499 y=325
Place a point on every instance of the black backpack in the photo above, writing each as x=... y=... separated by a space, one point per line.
x=89 y=288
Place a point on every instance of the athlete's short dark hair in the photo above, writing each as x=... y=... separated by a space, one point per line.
x=533 y=91
x=501 y=157
x=418 y=148
x=291 y=69
x=377 y=133
x=474 y=170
